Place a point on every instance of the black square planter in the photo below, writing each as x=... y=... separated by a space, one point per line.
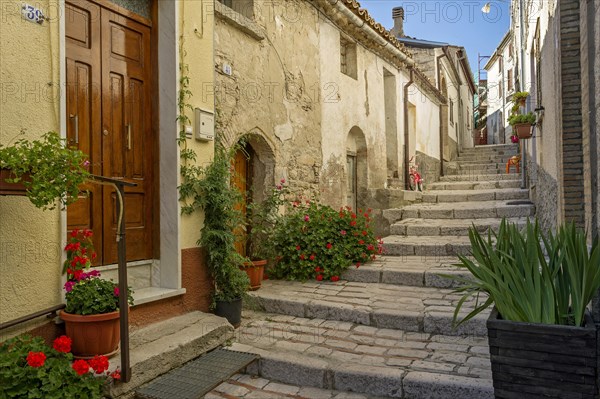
x=542 y=360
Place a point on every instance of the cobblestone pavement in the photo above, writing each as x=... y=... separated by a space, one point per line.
x=246 y=386
x=418 y=309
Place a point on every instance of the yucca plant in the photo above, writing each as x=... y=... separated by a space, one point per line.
x=531 y=276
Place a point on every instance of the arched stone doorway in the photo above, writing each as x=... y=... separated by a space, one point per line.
x=254 y=174
x=356 y=168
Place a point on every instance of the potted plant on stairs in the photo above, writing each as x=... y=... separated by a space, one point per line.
x=91 y=314
x=218 y=199
x=542 y=339
x=262 y=220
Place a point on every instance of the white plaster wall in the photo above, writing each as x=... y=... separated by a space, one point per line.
x=428 y=123
x=356 y=102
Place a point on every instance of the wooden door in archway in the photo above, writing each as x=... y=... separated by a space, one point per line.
x=241 y=167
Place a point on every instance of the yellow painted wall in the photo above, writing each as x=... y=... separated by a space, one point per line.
x=196 y=31
x=30 y=245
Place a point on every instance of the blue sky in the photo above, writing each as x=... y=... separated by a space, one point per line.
x=459 y=22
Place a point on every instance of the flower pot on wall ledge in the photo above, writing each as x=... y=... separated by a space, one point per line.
x=542 y=360
x=523 y=130
x=11 y=188
x=255 y=271
x=92 y=335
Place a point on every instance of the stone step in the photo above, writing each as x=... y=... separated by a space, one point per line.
x=462 y=210
x=480 y=177
x=415 y=309
x=413 y=271
x=255 y=387
x=474 y=195
x=477 y=185
x=508 y=152
x=166 y=345
x=430 y=246
x=447 y=227
x=491 y=148
x=349 y=357
x=466 y=160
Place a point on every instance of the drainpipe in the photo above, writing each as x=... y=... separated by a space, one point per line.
x=406 y=136
x=438 y=60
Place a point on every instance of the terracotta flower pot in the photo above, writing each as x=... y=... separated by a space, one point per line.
x=11 y=188
x=255 y=271
x=92 y=335
x=523 y=130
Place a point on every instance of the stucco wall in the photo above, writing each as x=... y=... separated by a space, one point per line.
x=545 y=188
x=358 y=102
x=197 y=32
x=30 y=239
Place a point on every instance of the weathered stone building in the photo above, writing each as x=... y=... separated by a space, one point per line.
x=557 y=61
x=448 y=67
x=329 y=99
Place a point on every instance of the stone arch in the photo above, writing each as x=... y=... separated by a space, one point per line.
x=261 y=162
x=356 y=168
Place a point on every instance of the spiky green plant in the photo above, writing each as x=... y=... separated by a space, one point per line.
x=531 y=276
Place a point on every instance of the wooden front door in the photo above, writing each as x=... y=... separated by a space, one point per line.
x=241 y=167
x=109 y=118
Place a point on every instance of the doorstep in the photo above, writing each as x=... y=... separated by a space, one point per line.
x=151 y=294
x=160 y=347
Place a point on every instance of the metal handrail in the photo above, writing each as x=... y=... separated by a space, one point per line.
x=32 y=316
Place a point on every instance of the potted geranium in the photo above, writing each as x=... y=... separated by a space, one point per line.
x=31 y=369
x=262 y=219
x=91 y=314
x=45 y=170
x=315 y=241
x=541 y=336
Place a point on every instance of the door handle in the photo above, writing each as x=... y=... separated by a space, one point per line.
x=75 y=119
x=129 y=136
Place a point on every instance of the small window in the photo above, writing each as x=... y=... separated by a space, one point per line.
x=510 y=80
x=451 y=111
x=348 y=58
x=242 y=7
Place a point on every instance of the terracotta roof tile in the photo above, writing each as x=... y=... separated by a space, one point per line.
x=362 y=13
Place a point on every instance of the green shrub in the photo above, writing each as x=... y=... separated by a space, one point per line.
x=531 y=276
x=316 y=241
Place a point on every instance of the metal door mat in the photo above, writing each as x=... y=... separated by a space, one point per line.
x=198 y=377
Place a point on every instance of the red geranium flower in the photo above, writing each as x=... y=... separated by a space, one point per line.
x=116 y=374
x=335 y=278
x=297 y=247
x=317 y=269
x=370 y=247
x=302 y=257
x=312 y=257
x=353 y=223
x=62 y=344
x=81 y=366
x=361 y=242
x=319 y=277
x=99 y=364
x=36 y=359
x=328 y=245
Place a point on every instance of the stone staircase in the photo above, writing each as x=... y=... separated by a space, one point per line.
x=385 y=329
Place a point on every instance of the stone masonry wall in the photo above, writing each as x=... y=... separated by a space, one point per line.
x=572 y=128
